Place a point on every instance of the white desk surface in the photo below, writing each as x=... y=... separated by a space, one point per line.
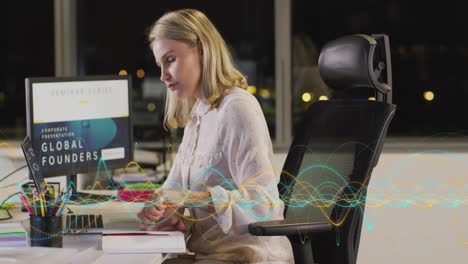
x=76 y=249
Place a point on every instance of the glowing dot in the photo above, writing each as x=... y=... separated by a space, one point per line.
x=323 y=98
x=252 y=89
x=371 y=98
x=140 y=73
x=307 y=97
x=265 y=93
x=429 y=96
x=151 y=107
x=123 y=72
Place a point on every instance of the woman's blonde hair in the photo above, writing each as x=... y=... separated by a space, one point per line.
x=218 y=71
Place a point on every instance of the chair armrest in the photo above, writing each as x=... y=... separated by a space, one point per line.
x=287 y=228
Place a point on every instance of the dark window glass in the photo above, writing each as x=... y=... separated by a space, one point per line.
x=30 y=53
x=112 y=38
x=429 y=53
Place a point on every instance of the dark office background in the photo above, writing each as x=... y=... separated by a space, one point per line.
x=429 y=49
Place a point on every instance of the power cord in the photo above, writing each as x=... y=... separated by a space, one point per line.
x=13 y=184
x=13 y=172
x=7 y=208
x=2 y=204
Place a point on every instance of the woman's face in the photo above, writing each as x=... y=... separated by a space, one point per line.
x=180 y=66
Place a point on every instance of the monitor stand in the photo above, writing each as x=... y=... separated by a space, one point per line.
x=84 y=198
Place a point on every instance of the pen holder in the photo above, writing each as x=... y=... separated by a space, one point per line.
x=46 y=231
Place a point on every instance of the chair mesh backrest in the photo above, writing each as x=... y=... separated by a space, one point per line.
x=331 y=159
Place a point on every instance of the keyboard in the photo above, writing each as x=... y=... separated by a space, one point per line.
x=84 y=221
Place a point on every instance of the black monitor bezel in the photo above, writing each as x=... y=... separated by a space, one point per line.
x=29 y=81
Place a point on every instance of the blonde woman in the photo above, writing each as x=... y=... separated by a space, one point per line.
x=223 y=170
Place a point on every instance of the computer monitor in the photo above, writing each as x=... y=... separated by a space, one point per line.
x=80 y=124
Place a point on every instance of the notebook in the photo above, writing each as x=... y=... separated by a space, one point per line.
x=143 y=242
x=13 y=235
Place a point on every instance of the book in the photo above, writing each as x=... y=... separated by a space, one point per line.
x=137 y=192
x=13 y=235
x=133 y=175
x=143 y=242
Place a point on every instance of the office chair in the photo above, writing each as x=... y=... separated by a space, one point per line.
x=335 y=148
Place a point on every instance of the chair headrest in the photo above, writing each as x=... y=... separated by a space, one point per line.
x=348 y=62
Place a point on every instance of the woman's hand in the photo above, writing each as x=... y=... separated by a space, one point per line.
x=186 y=198
x=161 y=211
x=174 y=222
x=172 y=198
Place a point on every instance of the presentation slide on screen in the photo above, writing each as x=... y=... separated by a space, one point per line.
x=76 y=124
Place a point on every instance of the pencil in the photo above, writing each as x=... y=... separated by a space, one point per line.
x=63 y=205
x=60 y=207
x=34 y=203
x=26 y=198
x=41 y=204
x=26 y=205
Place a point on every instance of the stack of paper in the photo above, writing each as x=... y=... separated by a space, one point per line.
x=143 y=242
x=13 y=235
x=132 y=176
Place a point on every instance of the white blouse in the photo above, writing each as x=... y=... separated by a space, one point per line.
x=227 y=151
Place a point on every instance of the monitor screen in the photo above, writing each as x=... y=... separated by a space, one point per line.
x=80 y=124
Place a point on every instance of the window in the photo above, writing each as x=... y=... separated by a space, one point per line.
x=30 y=53
x=429 y=57
x=112 y=39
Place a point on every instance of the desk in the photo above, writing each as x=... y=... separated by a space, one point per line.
x=76 y=248
x=70 y=253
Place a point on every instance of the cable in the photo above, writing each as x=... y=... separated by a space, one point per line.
x=7 y=210
x=4 y=201
x=8 y=217
x=13 y=172
x=8 y=198
x=13 y=184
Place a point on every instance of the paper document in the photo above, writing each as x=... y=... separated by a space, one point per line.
x=143 y=242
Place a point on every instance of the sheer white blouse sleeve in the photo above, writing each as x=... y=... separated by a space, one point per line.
x=248 y=151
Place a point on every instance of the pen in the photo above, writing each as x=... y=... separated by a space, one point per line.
x=47 y=202
x=34 y=203
x=60 y=206
x=26 y=205
x=63 y=205
x=41 y=204
x=26 y=198
x=55 y=206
